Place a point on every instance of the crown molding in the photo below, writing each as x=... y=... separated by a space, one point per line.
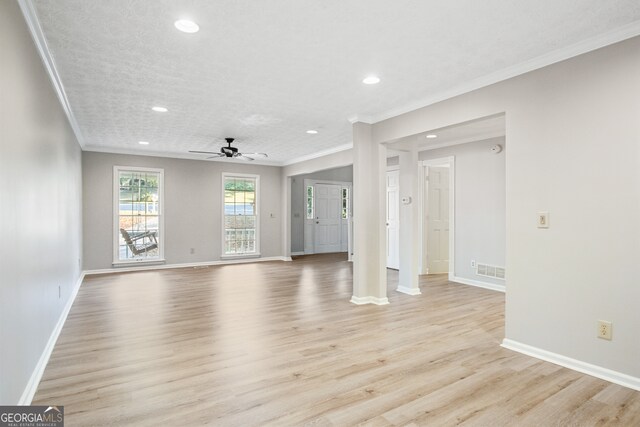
x=183 y=156
x=31 y=17
x=459 y=141
x=622 y=33
x=361 y=119
x=322 y=153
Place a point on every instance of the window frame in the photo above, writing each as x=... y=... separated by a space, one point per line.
x=312 y=200
x=345 y=210
x=255 y=254
x=116 y=216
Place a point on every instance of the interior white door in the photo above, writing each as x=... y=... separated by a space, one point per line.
x=393 y=219
x=328 y=229
x=438 y=219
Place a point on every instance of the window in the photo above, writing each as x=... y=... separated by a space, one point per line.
x=345 y=203
x=138 y=222
x=309 y=201
x=240 y=214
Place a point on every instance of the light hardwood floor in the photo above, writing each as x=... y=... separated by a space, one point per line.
x=279 y=344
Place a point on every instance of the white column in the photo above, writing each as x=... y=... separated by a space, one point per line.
x=369 y=230
x=285 y=185
x=408 y=282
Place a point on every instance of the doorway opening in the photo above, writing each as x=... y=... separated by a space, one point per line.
x=461 y=171
x=321 y=204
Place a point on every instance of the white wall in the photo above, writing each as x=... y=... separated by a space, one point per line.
x=480 y=205
x=40 y=206
x=193 y=207
x=574 y=150
x=299 y=200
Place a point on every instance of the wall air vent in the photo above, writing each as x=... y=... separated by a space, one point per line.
x=490 y=271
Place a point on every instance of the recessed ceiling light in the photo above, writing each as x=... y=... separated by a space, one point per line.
x=312 y=132
x=143 y=142
x=160 y=109
x=431 y=136
x=186 y=26
x=371 y=80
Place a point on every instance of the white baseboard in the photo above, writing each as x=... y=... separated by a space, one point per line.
x=409 y=291
x=574 y=364
x=369 y=300
x=478 y=283
x=297 y=253
x=36 y=375
x=186 y=265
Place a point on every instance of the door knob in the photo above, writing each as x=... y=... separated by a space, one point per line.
x=317 y=222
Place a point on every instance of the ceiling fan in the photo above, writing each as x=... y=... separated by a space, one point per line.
x=230 y=151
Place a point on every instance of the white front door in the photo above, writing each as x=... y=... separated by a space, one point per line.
x=328 y=228
x=393 y=219
x=438 y=219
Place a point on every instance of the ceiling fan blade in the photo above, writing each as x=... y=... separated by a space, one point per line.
x=257 y=154
x=213 y=157
x=243 y=157
x=205 y=152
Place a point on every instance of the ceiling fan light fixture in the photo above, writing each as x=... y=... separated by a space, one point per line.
x=186 y=26
x=230 y=152
x=371 y=80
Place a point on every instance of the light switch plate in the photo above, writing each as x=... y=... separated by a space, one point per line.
x=543 y=219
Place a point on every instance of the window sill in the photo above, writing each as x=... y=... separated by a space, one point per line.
x=240 y=256
x=138 y=262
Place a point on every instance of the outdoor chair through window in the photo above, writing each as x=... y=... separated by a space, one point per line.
x=140 y=243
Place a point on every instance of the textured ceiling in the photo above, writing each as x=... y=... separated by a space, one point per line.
x=266 y=71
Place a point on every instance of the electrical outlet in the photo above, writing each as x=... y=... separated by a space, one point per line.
x=473 y=263
x=604 y=330
x=192 y=251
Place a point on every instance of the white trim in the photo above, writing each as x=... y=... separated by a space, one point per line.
x=187 y=265
x=256 y=209
x=460 y=141
x=31 y=17
x=240 y=256
x=478 y=283
x=574 y=364
x=317 y=154
x=360 y=119
x=369 y=300
x=38 y=371
x=622 y=33
x=391 y=168
x=297 y=253
x=116 y=214
x=451 y=161
x=140 y=261
x=409 y=291
x=148 y=152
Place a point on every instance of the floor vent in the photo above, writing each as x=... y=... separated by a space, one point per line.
x=490 y=271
